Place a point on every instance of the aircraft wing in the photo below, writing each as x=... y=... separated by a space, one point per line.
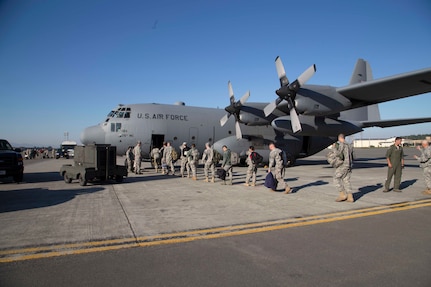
x=393 y=123
x=390 y=88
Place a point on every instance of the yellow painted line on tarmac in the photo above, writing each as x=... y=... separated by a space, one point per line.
x=30 y=253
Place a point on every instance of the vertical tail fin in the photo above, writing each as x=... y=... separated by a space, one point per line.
x=362 y=73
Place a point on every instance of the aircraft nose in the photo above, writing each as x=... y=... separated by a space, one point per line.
x=93 y=134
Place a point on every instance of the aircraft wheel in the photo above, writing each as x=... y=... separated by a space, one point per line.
x=82 y=180
x=119 y=178
x=67 y=179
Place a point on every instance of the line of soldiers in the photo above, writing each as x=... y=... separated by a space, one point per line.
x=341 y=158
x=163 y=160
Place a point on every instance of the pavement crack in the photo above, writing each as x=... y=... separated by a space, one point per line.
x=125 y=214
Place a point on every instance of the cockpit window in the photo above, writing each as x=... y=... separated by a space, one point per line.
x=115 y=127
x=121 y=112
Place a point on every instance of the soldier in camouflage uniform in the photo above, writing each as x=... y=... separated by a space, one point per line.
x=395 y=159
x=344 y=171
x=252 y=168
x=167 y=158
x=207 y=159
x=227 y=164
x=276 y=158
x=184 y=160
x=137 y=153
x=193 y=158
x=425 y=163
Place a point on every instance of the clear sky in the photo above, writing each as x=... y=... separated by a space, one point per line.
x=65 y=64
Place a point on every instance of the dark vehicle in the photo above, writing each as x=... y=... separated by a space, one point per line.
x=11 y=161
x=61 y=153
x=94 y=162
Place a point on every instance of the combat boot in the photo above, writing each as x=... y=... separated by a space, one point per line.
x=194 y=178
x=246 y=184
x=206 y=179
x=426 y=192
x=229 y=182
x=341 y=197
x=350 y=198
x=223 y=182
x=287 y=190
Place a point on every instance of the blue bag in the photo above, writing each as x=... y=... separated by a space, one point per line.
x=270 y=181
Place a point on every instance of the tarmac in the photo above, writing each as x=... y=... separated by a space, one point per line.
x=44 y=211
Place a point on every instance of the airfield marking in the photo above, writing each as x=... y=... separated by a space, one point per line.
x=30 y=253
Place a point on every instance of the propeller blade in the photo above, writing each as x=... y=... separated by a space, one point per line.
x=238 y=130
x=284 y=81
x=231 y=95
x=272 y=106
x=306 y=75
x=294 y=120
x=224 y=119
x=244 y=98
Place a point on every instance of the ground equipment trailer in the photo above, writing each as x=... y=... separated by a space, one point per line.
x=94 y=162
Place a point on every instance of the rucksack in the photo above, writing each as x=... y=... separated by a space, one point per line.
x=333 y=159
x=283 y=156
x=216 y=156
x=174 y=154
x=234 y=158
x=256 y=158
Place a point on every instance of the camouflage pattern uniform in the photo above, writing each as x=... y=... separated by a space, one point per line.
x=137 y=153
x=425 y=163
x=227 y=165
x=251 y=170
x=193 y=158
x=167 y=158
x=276 y=159
x=396 y=156
x=184 y=160
x=155 y=155
x=207 y=159
x=129 y=159
x=343 y=172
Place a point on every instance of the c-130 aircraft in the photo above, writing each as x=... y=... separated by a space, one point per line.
x=303 y=120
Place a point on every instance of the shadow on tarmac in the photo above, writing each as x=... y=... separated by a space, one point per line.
x=316 y=183
x=24 y=199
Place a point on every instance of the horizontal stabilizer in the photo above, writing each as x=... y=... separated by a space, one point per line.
x=394 y=123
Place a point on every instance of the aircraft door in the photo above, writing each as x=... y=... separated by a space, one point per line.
x=193 y=135
x=157 y=141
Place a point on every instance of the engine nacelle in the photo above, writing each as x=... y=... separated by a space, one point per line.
x=252 y=120
x=320 y=101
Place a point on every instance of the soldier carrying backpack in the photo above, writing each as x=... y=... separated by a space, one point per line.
x=253 y=160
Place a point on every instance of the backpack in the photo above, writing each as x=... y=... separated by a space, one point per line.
x=333 y=159
x=216 y=156
x=174 y=154
x=283 y=156
x=256 y=158
x=234 y=159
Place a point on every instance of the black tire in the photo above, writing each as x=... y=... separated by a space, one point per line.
x=18 y=178
x=82 y=180
x=119 y=178
x=67 y=179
